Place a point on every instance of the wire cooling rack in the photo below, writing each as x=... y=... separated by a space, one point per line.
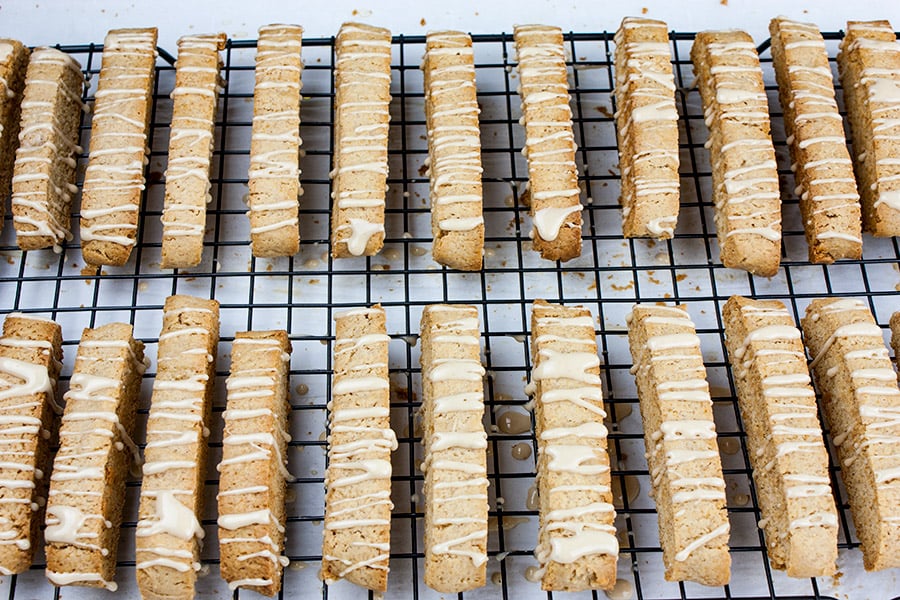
x=301 y=293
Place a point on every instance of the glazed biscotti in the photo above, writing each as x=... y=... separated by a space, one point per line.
x=647 y=128
x=744 y=173
x=96 y=448
x=358 y=503
x=553 y=193
x=454 y=150
x=861 y=399
x=362 y=84
x=253 y=469
x=577 y=546
x=784 y=440
x=13 y=65
x=680 y=436
x=194 y=98
x=167 y=539
x=274 y=179
x=455 y=465
x=823 y=171
x=868 y=63
x=114 y=179
x=30 y=355
x=43 y=180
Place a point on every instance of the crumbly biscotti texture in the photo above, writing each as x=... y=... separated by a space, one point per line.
x=823 y=171
x=454 y=150
x=854 y=374
x=195 y=98
x=96 y=449
x=455 y=465
x=553 y=192
x=253 y=470
x=784 y=439
x=744 y=172
x=30 y=355
x=647 y=129
x=356 y=546
x=43 y=180
x=362 y=84
x=274 y=178
x=577 y=546
x=895 y=335
x=13 y=65
x=869 y=64
x=167 y=539
x=114 y=178
x=680 y=436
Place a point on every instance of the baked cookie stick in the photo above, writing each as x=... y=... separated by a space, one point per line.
x=87 y=488
x=577 y=547
x=868 y=64
x=30 y=355
x=358 y=503
x=821 y=162
x=744 y=173
x=191 y=144
x=253 y=469
x=274 y=205
x=554 y=195
x=454 y=150
x=43 y=180
x=784 y=440
x=680 y=436
x=168 y=531
x=895 y=335
x=114 y=179
x=362 y=83
x=13 y=65
x=455 y=466
x=647 y=127
x=862 y=403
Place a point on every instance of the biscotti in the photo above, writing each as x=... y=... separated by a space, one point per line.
x=647 y=128
x=194 y=101
x=167 y=539
x=577 y=546
x=30 y=355
x=680 y=436
x=853 y=372
x=96 y=448
x=362 y=88
x=114 y=179
x=454 y=150
x=823 y=171
x=744 y=173
x=784 y=439
x=13 y=65
x=253 y=469
x=358 y=503
x=553 y=193
x=895 y=335
x=43 y=180
x=274 y=178
x=455 y=465
x=868 y=63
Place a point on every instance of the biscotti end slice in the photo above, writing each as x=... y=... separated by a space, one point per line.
x=455 y=460
x=895 y=335
x=854 y=374
x=96 y=449
x=114 y=179
x=784 y=439
x=253 y=469
x=30 y=355
x=13 y=65
x=577 y=548
x=680 y=437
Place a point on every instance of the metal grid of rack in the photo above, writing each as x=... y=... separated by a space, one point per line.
x=301 y=293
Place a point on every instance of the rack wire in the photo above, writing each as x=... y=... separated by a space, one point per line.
x=301 y=294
